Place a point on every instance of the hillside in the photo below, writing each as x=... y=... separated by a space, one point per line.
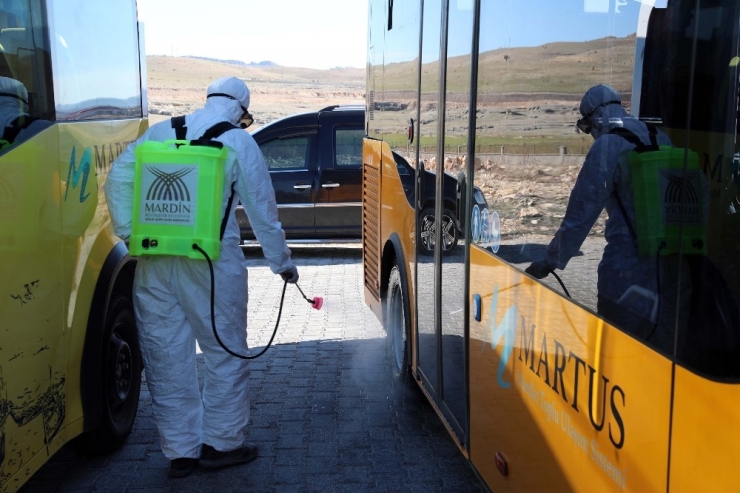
x=177 y=85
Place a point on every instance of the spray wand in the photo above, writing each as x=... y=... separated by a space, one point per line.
x=316 y=303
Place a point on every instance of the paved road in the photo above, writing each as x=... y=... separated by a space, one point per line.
x=325 y=410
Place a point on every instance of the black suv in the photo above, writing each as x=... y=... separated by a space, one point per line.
x=315 y=162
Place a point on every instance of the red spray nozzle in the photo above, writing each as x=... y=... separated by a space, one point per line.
x=316 y=303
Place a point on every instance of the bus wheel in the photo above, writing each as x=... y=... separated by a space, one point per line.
x=426 y=236
x=122 y=366
x=395 y=323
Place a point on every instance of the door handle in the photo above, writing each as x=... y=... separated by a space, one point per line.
x=330 y=185
x=301 y=187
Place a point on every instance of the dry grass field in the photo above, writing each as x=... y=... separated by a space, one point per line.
x=528 y=110
x=177 y=85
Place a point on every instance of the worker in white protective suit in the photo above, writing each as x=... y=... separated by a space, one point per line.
x=628 y=292
x=172 y=296
x=15 y=122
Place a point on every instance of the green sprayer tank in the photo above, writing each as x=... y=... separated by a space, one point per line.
x=669 y=199
x=178 y=195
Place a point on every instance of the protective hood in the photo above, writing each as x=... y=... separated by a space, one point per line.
x=13 y=101
x=603 y=105
x=229 y=97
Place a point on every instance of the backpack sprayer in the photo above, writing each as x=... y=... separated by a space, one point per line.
x=178 y=190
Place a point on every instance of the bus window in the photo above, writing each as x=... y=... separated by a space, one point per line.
x=25 y=98
x=89 y=83
x=394 y=103
x=528 y=151
x=530 y=158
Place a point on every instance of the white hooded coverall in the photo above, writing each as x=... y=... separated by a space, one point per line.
x=172 y=294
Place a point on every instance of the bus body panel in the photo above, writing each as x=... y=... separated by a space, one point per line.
x=371 y=240
x=531 y=354
x=54 y=248
x=95 y=146
x=34 y=377
x=705 y=443
x=394 y=214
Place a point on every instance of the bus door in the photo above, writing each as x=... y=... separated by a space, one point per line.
x=441 y=275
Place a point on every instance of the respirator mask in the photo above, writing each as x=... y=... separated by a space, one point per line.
x=246 y=119
x=584 y=123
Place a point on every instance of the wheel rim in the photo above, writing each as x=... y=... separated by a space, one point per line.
x=427 y=235
x=449 y=233
x=120 y=364
x=398 y=341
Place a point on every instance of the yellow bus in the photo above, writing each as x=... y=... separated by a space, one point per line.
x=72 y=96
x=539 y=390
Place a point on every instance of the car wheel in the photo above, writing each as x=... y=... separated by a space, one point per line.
x=394 y=321
x=426 y=233
x=121 y=370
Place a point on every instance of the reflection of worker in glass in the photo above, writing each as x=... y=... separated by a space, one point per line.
x=16 y=124
x=627 y=282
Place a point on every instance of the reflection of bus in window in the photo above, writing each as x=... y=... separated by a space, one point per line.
x=69 y=358
x=537 y=388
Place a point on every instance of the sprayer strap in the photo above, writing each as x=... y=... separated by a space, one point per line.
x=178 y=123
x=217 y=130
x=225 y=220
x=630 y=137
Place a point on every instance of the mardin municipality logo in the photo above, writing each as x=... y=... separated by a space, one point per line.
x=168 y=186
x=170 y=196
x=680 y=198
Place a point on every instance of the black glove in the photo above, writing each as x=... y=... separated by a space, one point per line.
x=539 y=269
x=290 y=275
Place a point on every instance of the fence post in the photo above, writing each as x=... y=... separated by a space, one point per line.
x=562 y=150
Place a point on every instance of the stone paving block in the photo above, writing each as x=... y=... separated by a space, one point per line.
x=326 y=411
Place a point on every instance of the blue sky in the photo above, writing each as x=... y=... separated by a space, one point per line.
x=318 y=34
x=333 y=33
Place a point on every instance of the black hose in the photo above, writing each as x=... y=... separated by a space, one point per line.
x=213 y=315
x=657 y=279
x=561 y=283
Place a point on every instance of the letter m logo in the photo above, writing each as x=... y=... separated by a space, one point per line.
x=77 y=174
x=506 y=330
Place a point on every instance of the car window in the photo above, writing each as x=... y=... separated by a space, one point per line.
x=290 y=153
x=348 y=147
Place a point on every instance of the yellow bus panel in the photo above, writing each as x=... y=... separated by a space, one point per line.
x=563 y=412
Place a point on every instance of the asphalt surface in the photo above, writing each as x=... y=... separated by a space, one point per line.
x=326 y=411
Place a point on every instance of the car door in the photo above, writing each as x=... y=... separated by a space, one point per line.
x=339 y=192
x=291 y=159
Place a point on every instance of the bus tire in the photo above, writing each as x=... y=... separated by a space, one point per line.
x=397 y=331
x=121 y=371
x=450 y=233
